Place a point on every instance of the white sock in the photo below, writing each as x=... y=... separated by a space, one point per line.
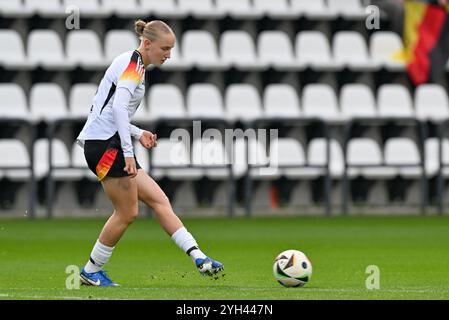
x=187 y=243
x=98 y=257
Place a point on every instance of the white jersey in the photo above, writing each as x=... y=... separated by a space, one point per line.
x=126 y=71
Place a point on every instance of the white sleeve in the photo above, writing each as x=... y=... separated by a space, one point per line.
x=136 y=132
x=120 y=112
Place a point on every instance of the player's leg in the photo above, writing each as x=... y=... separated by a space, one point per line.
x=152 y=195
x=123 y=194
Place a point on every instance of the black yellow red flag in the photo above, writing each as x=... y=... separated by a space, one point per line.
x=426 y=40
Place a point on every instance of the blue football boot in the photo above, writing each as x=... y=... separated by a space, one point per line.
x=99 y=278
x=209 y=267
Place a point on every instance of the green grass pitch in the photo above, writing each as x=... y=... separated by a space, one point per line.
x=412 y=254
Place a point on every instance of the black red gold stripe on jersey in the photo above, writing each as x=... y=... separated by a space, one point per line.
x=134 y=71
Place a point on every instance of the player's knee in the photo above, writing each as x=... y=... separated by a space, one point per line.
x=162 y=204
x=130 y=215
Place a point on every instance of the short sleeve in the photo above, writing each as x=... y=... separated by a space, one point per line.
x=133 y=74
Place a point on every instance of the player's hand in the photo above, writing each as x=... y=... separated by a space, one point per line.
x=130 y=166
x=148 y=139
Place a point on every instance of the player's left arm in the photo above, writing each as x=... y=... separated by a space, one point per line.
x=148 y=139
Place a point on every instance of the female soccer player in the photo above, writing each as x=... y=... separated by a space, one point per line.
x=106 y=138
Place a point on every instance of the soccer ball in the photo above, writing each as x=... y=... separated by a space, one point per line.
x=292 y=268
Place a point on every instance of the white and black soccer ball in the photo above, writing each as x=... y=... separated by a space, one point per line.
x=292 y=268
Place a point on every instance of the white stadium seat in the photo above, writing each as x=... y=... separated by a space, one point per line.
x=60 y=159
x=242 y=103
x=351 y=50
x=118 y=41
x=167 y=9
x=199 y=49
x=84 y=49
x=275 y=50
x=81 y=99
x=431 y=102
x=237 y=9
x=87 y=8
x=319 y=101
x=13 y=55
x=48 y=102
x=123 y=9
x=313 y=50
x=14 y=155
x=400 y=151
x=394 y=100
x=238 y=50
x=142 y=113
x=78 y=161
x=366 y=152
x=14 y=9
x=348 y=9
x=432 y=162
x=160 y=156
x=47 y=8
x=204 y=100
x=257 y=157
x=13 y=102
x=280 y=101
x=317 y=155
x=383 y=46
x=201 y=9
x=166 y=102
x=206 y=152
x=175 y=155
x=279 y=9
x=289 y=152
x=143 y=156
x=316 y=9
x=357 y=100
x=45 y=48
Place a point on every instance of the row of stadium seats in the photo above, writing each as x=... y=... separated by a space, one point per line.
x=203 y=9
x=198 y=48
x=240 y=102
x=286 y=157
